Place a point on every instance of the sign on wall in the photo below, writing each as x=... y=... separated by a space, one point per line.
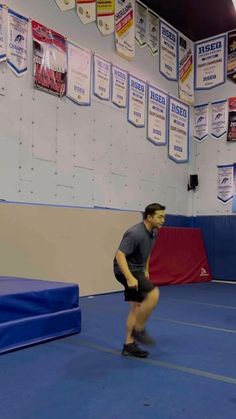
x=219 y=118
x=178 y=144
x=136 y=101
x=201 y=122
x=225 y=183
x=186 y=73
x=157 y=116
x=168 y=52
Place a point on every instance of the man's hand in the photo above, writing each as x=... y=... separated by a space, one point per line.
x=146 y=273
x=132 y=283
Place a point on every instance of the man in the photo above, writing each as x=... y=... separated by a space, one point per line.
x=131 y=268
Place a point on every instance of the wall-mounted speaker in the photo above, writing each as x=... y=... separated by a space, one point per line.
x=193 y=182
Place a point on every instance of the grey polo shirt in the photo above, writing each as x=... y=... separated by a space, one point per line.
x=136 y=244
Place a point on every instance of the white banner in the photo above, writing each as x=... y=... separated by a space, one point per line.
x=119 y=86
x=17 y=29
x=219 y=113
x=3 y=54
x=79 y=74
x=225 y=183
x=178 y=144
x=105 y=16
x=234 y=190
x=124 y=28
x=152 y=32
x=141 y=24
x=65 y=4
x=168 y=52
x=186 y=74
x=210 y=59
x=157 y=116
x=136 y=102
x=102 y=78
x=201 y=122
x=86 y=10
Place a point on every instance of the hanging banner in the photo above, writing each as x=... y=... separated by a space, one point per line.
x=178 y=144
x=157 y=116
x=3 y=54
x=105 y=16
x=234 y=190
x=231 y=135
x=124 y=28
x=168 y=56
x=65 y=4
x=225 y=183
x=186 y=75
x=219 y=118
x=141 y=24
x=79 y=74
x=136 y=101
x=210 y=57
x=86 y=10
x=231 y=62
x=119 y=86
x=17 y=34
x=102 y=78
x=152 y=32
x=49 y=55
x=201 y=122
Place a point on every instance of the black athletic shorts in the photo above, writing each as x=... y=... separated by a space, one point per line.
x=133 y=294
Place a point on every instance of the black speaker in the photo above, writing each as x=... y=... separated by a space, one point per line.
x=193 y=182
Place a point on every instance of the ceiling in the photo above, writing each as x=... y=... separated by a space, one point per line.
x=197 y=19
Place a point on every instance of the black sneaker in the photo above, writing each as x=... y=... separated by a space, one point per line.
x=143 y=337
x=132 y=349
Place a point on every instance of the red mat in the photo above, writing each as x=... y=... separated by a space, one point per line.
x=179 y=256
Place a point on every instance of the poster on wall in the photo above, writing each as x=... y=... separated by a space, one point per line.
x=3 y=54
x=141 y=24
x=210 y=60
x=152 y=32
x=231 y=63
x=86 y=10
x=231 y=134
x=186 y=74
x=17 y=35
x=201 y=122
x=136 y=101
x=105 y=16
x=49 y=57
x=225 y=183
x=125 y=28
x=219 y=118
x=168 y=54
x=234 y=189
x=178 y=144
x=79 y=74
x=119 y=87
x=101 y=77
x=157 y=117
x=65 y=4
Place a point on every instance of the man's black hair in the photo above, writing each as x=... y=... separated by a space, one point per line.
x=152 y=208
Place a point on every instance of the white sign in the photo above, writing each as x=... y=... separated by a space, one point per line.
x=102 y=78
x=201 y=122
x=157 y=116
x=219 y=111
x=119 y=86
x=79 y=74
x=168 y=52
x=225 y=183
x=178 y=131
x=136 y=102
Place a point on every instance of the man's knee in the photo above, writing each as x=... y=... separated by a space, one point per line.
x=153 y=296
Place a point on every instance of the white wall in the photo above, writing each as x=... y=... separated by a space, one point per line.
x=86 y=145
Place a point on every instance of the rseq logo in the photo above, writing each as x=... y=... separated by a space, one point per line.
x=210 y=47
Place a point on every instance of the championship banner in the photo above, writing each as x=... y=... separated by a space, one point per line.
x=17 y=34
x=136 y=101
x=186 y=74
x=231 y=135
x=65 y=4
x=3 y=54
x=141 y=24
x=234 y=190
x=231 y=63
x=124 y=28
x=157 y=116
x=86 y=10
x=201 y=122
x=105 y=16
x=152 y=32
x=102 y=78
x=119 y=86
x=210 y=57
x=225 y=183
x=178 y=144
x=168 y=55
x=49 y=55
x=219 y=118
x=79 y=74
